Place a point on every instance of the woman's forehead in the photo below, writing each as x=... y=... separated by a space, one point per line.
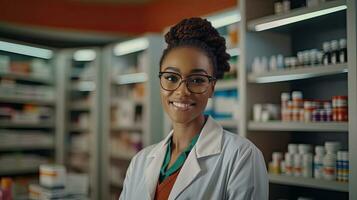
x=186 y=60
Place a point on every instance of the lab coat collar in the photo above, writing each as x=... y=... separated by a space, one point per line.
x=152 y=171
x=208 y=143
x=210 y=140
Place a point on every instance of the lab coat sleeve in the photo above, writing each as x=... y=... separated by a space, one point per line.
x=127 y=181
x=248 y=179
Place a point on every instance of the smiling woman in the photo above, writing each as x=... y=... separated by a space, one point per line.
x=198 y=159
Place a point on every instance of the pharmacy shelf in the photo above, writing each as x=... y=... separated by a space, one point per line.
x=83 y=86
x=136 y=127
x=76 y=128
x=19 y=170
x=130 y=78
x=233 y=51
x=227 y=84
x=26 y=77
x=296 y=15
x=28 y=147
x=23 y=100
x=228 y=123
x=114 y=101
x=298 y=126
x=138 y=84
x=297 y=73
x=308 y=182
x=80 y=107
x=7 y=124
x=298 y=30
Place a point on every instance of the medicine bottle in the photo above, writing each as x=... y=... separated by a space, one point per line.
x=330 y=160
x=6 y=187
x=318 y=162
x=289 y=164
x=297 y=165
x=334 y=52
x=343 y=50
x=326 y=58
x=307 y=165
x=330 y=166
x=278 y=6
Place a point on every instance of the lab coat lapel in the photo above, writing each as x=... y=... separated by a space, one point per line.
x=152 y=170
x=208 y=144
x=188 y=173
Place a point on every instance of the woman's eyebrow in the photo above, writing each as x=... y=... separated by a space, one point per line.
x=172 y=69
x=198 y=70
x=175 y=69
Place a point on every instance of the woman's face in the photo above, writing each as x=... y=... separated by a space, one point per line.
x=181 y=105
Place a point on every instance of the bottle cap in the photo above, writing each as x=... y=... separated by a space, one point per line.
x=332 y=147
x=343 y=43
x=297 y=95
x=307 y=104
x=304 y=148
x=293 y=148
x=277 y=156
x=285 y=96
x=326 y=46
x=320 y=150
x=334 y=45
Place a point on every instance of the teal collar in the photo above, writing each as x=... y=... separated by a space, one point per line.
x=164 y=172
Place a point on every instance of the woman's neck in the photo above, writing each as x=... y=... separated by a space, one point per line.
x=184 y=132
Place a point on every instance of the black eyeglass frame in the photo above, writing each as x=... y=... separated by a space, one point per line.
x=210 y=79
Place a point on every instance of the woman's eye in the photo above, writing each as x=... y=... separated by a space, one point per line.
x=197 y=80
x=172 y=78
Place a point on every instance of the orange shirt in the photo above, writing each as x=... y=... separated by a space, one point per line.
x=164 y=188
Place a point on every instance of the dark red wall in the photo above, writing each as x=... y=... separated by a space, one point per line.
x=106 y=17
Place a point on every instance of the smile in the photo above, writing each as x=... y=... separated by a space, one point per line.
x=181 y=105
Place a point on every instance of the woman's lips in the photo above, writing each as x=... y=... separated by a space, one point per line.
x=182 y=106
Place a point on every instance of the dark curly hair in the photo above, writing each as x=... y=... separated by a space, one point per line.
x=199 y=33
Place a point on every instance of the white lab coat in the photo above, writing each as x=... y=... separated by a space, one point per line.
x=220 y=166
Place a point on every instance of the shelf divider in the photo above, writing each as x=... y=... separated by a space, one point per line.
x=297 y=73
x=308 y=182
x=296 y=15
x=298 y=126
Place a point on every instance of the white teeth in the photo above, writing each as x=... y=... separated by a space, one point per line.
x=180 y=105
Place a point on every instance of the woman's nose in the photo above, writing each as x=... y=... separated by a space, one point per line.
x=183 y=89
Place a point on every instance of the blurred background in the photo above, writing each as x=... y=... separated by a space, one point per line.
x=79 y=93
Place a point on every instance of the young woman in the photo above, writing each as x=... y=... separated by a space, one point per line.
x=198 y=160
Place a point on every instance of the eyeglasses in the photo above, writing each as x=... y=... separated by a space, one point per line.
x=196 y=83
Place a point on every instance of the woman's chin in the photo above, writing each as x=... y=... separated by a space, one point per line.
x=183 y=119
